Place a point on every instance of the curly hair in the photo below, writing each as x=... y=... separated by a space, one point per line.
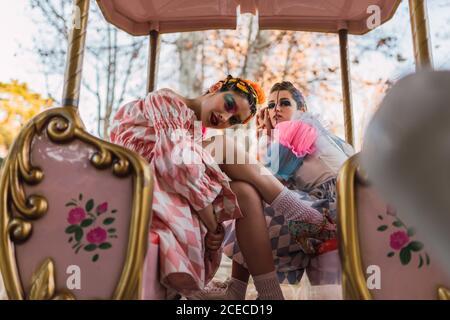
x=296 y=94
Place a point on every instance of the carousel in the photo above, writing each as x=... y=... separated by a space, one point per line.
x=55 y=165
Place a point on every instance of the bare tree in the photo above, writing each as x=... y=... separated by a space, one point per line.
x=265 y=56
x=112 y=58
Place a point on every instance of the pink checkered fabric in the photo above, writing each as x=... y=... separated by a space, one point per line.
x=161 y=129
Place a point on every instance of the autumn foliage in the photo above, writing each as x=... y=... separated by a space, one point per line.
x=17 y=106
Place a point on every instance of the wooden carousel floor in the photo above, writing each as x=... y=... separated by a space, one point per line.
x=301 y=291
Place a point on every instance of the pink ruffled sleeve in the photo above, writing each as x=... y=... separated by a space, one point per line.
x=132 y=129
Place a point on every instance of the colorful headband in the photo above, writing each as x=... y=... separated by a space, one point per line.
x=245 y=87
x=254 y=96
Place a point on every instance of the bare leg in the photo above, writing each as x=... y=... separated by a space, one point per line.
x=239 y=272
x=271 y=190
x=253 y=239
x=268 y=186
x=251 y=230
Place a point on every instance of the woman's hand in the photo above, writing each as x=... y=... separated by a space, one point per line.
x=263 y=120
x=213 y=240
x=208 y=218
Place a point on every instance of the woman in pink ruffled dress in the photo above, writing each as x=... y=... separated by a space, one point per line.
x=192 y=195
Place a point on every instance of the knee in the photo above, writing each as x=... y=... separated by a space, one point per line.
x=243 y=189
x=246 y=194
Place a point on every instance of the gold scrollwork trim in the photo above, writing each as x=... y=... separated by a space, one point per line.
x=443 y=293
x=353 y=279
x=43 y=284
x=63 y=125
x=19 y=230
x=20 y=170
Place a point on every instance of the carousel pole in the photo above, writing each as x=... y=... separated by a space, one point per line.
x=154 y=41
x=75 y=54
x=346 y=85
x=420 y=34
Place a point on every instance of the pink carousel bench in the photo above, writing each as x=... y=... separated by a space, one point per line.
x=76 y=222
x=382 y=255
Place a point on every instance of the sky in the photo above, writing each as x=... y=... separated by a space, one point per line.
x=17 y=60
x=16 y=34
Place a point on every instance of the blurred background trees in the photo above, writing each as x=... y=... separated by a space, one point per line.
x=111 y=58
x=115 y=63
x=115 y=68
x=17 y=105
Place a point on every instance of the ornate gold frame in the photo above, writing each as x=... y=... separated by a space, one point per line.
x=353 y=277
x=63 y=125
x=353 y=280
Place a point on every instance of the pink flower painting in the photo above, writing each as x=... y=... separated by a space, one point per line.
x=90 y=229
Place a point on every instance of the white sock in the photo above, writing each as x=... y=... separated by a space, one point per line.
x=232 y=289
x=293 y=207
x=237 y=289
x=268 y=286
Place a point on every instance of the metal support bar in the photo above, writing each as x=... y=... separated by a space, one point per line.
x=154 y=41
x=75 y=54
x=420 y=34
x=346 y=86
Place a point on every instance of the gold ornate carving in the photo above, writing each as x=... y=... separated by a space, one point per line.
x=64 y=295
x=443 y=293
x=63 y=125
x=20 y=170
x=62 y=129
x=353 y=280
x=43 y=284
x=19 y=230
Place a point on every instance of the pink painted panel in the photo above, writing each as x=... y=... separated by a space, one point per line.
x=323 y=15
x=139 y=17
x=69 y=173
x=384 y=238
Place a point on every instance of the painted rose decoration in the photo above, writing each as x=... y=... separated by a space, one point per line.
x=76 y=215
x=398 y=240
x=401 y=240
x=90 y=226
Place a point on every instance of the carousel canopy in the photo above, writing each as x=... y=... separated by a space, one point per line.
x=139 y=17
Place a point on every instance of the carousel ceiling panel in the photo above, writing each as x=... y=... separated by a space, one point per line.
x=323 y=15
x=139 y=17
